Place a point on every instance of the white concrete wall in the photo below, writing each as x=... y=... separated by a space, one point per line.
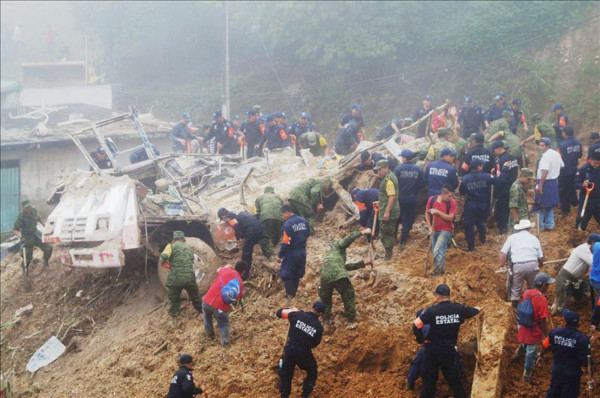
x=100 y=96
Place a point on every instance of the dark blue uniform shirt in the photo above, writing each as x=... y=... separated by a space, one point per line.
x=495 y=113
x=507 y=169
x=438 y=174
x=295 y=233
x=570 y=348
x=346 y=138
x=387 y=131
x=570 y=151
x=471 y=120
x=476 y=185
x=253 y=131
x=481 y=153
x=365 y=199
x=410 y=181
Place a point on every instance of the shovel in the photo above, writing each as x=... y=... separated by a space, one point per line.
x=429 y=254
x=588 y=190
x=590 y=382
x=372 y=243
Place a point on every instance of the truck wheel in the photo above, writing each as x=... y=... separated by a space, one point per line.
x=205 y=265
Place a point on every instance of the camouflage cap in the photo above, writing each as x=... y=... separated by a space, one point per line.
x=527 y=172
x=443 y=131
x=26 y=203
x=269 y=189
x=178 y=235
x=312 y=138
x=381 y=164
x=506 y=112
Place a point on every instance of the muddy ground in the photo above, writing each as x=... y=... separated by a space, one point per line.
x=121 y=342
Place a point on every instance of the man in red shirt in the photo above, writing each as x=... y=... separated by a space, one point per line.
x=530 y=338
x=214 y=305
x=439 y=215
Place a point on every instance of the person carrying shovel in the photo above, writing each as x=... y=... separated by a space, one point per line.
x=587 y=181
x=334 y=275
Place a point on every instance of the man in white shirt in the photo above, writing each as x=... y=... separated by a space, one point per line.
x=526 y=258
x=572 y=273
x=546 y=190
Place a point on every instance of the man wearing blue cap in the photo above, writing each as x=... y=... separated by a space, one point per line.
x=587 y=181
x=546 y=190
x=571 y=151
x=476 y=186
x=471 y=118
x=570 y=349
x=441 y=173
x=303 y=125
x=562 y=120
x=253 y=130
x=410 y=182
x=368 y=160
x=347 y=118
x=505 y=171
x=419 y=113
x=366 y=200
x=495 y=109
x=182 y=383
x=275 y=136
x=224 y=133
x=594 y=146
x=478 y=152
x=305 y=333
x=518 y=117
x=444 y=319
x=393 y=127
x=183 y=140
x=349 y=136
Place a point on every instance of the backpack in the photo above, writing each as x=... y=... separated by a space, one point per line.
x=230 y=292
x=525 y=312
x=434 y=198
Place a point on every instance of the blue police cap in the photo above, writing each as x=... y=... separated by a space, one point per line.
x=571 y=317
x=568 y=130
x=480 y=138
x=186 y=116
x=236 y=117
x=500 y=94
x=278 y=114
x=319 y=306
x=364 y=155
x=355 y=106
x=447 y=152
x=354 y=192
x=497 y=98
x=442 y=290
x=282 y=115
x=185 y=359
x=517 y=102
x=407 y=153
x=251 y=112
x=427 y=98
x=270 y=117
x=304 y=115
x=217 y=115
x=497 y=144
x=546 y=141
x=593 y=238
x=557 y=106
x=468 y=100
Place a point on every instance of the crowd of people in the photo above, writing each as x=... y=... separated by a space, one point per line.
x=478 y=155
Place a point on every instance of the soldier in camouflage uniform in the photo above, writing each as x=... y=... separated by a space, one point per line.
x=519 y=209
x=315 y=142
x=435 y=149
x=267 y=210
x=389 y=212
x=496 y=126
x=511 y=141
x=25 y=229
x=178 y=258
x=462 y=146
x=541 y=129
x=334 y=275
x=308 y=196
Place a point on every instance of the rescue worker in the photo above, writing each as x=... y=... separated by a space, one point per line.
x=292 y=254
x=570 y=151
x=502 y=123
x=178 y=258
x=518 y=117
x=302 y=126
x=440 y=212
x=335 y=276
x=505 y=172
x=587 y=181
x=523 y=254
x=594 y=146
x=476 y=186
x=479 y=152
x=393 y=127
x=366 y=200
x=471 y=119
x=419 y=113
x=253 y=131
x=462 y=146
x=444 y=320
x=214 y=305
x=348 y=137
x=389 y=209
x=531 y=337
x=248 y=228
x=101 y=159
x=25 y=229
x=517 y=202
x=541 y=129
x=224 y=133
x=268 y=206
x=275 y=136
x=498 y=131
x=347 y=118
x=571 y=277
x=368 y=160
x=305 y=333
x=182 y=384
x=496 y=109
x=546 y=190
x=308 y=196
x=562 y=120
x=570 y=349
x=315 y=142
x=436 y=149
x=181 y=137
x=410 y=183
x=441 y=173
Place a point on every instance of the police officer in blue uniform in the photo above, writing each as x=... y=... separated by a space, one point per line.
x=275 y=136
x=224 y=133
x=419 y=113
x=347 y=138
x=471 y=118
x=589 y=176
x=594 y=144
x=410 y=182
x=570 y=349
x=292 y=254
x=441 y=173
x=571 y=151
x=505 y=171
x=495 y=109
x=369 y=160
x=364 y=199
x=182 y=383
x=302 y=126
x=305 y=333
x=249 y=228
x=444 y=319
x=389 y=129
x=347 y=118
x=479 y=152
x=253 y=131
x=180 y=132
x=476 y=185
x=562 y=120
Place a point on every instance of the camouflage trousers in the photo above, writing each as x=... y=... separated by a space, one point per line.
x=174 y=296
x=305 y=211
x=346 y=291
x=272 y=228
x=28 y=245
x=387 y=232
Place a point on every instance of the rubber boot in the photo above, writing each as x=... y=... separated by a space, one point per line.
x=388 y=254
x=46 y=263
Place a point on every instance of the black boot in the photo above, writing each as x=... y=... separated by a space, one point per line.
x=388 y=254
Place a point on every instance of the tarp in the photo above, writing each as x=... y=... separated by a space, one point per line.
x=46 y=354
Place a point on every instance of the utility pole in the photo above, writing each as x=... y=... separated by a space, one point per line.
x=227 y=102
